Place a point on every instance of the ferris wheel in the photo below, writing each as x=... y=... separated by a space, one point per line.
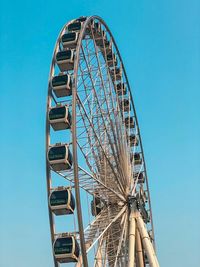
x=98 y=195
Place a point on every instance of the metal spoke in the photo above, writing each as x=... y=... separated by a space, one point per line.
x=102 y=224
x=103 y=119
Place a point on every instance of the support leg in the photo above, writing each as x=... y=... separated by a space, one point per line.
x=139 y=252
x=146 y=242
x=131 y=249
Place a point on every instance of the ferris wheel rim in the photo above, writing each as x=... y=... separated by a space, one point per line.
x=47 y=138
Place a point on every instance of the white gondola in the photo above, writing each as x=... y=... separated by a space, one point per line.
x=60 y=118
x=145 y=214
x=60 y=157
x=143 y=195
x=129 y=122
x=81 y=19
x=140 y=177
x=66 y=249
x=116 y=74
x=133 y=140
x=97 y=30
x=69 y=40
x=121 y=88
x=111 y=59
x=137 y=159
x=78 y=24
x=65 y=59
x=106 y=46
x=62 y=85
x=96 y=206
x=89 y=30
x=61 y=201
x=75 y=26
x=100 y=39
x=125 y=104
x=142 y=208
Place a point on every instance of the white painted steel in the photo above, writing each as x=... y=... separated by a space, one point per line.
x=131 y=239
x=147 y=242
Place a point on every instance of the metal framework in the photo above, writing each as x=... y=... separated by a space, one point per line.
x=108 y=160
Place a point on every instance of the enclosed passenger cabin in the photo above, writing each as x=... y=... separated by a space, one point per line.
x=145 y=214
x=111 y=59
x=125 y=104
x=102 y=42
x=82 y=19
x=141 y=207
x=97 y=29
x=121 y=88
x=116 y=74
x=62 y=201
x=65 y=59
x=62 y=85
x=90 y=24
x=75 y=26
x=100 y=39
x=60 y=118
x=96 y=206
x=69 y=40
x=106 y=46
x=140 y=177
x=89 y=30
x=143 y=195
x=129 y=122
x=66 y=249
x=60 y=157
x=78 y=24
x=133 y=140
x=137 y=158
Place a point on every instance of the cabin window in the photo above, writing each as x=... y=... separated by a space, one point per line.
x=141 y=176
x=63 y=246
x=57 y=153
x=76 y=26
x=107 y=43
x=59 y=198
x=109 y=57
x=121 y=88
x=59 y=80
x=68 y=37
x=129 y=119
x=63 y=55
x=116 y=71
x=136 y=156
x=96 y=26
x=57 y=113
x=82 y=19
x=126 y=102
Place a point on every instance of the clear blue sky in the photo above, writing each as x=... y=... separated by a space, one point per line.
x=160 y=45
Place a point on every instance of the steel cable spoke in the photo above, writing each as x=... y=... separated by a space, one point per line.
x=120 y=185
